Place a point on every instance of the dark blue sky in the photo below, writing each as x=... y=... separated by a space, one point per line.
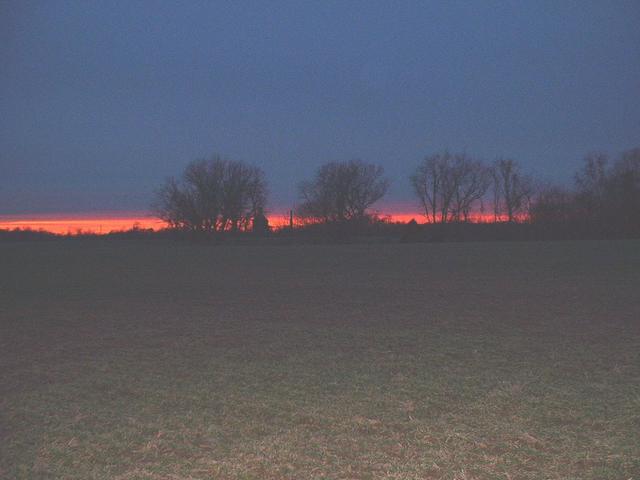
x=101 y=101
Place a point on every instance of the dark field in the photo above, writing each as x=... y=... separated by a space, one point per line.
x=429 y=361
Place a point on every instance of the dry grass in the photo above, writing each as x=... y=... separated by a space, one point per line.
x=461 y=361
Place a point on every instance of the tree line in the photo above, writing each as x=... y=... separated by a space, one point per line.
x=219 y=195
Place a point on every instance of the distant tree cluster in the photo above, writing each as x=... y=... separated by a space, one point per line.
x=220 y=195
x=448 y=186
x=213 y=196
x=342 y=192
x=605 y=198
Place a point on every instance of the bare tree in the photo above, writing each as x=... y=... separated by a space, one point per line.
x=470 y=180
x=512 y=190
x=430 y=183
x=212 y=196
x=449 y=185
x=342 y=191
x=623 y=191
x=553 y=205
x=608 y=196
x=592 y=184
x=244 y=195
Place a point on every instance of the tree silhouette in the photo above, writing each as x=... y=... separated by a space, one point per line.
x=448 y=186
x=212 y=196
x=511 y=188
x=342 y=192
x=622 y=203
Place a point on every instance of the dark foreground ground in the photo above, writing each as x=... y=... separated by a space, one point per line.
x=433 y=361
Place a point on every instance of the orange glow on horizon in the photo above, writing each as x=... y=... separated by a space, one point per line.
x=404 y=217
x=103 y=223
x=63 y=224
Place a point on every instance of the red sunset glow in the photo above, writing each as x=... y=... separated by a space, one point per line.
x=85 y=223
x=119 y=221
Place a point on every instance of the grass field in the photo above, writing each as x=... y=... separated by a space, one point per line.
x=429 y=361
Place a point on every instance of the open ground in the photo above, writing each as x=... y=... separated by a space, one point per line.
x=158 y=360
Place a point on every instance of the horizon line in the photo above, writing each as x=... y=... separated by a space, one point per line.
x=102 y=223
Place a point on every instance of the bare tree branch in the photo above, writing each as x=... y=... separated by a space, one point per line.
x=512 y=190
x=212 y=196
x=448 y=186
x=342 y=191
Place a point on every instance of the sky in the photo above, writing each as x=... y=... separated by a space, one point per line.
x=101 y=101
